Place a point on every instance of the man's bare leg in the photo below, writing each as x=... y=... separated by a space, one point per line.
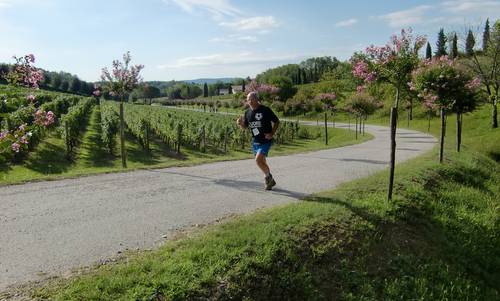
x=260 y=159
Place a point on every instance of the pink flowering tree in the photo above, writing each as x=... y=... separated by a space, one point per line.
x=443 y=84
x=17 y=136
x=394 y=64
x=97 y=93
x=329 y=100
x=24 y=73
x=362 y=105
x=122 y=79
x=266 y=92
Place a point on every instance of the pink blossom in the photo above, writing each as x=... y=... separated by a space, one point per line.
x=31 y=98
x=15 y=147
x=3 y=134
x=262 y=88
x=360 y=89
x=24 y=73
x=23 y=140
x=31 y=58
x=43 y=118
x=360 y=69
x=473 y=84
x=326 y=96
x=123 y=77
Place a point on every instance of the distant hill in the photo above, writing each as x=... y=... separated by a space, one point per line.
x=162 y=85
x=210 y=80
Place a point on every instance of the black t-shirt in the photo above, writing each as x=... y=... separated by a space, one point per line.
x=259 y=122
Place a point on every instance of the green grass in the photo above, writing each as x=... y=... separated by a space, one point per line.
x=48 y=161
x=438 y=240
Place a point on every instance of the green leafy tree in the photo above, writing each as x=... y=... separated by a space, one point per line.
x=56 y=81
x=486 y=35
x=470 y=41
x=75 y=85
x=487 y=68
x=64 y=85
x=285 y=86
x=428 y=51
x=441 y=44
x=454 y=47
x=205 y=90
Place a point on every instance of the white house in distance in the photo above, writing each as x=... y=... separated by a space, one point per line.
x=234 y=89
x=237 y=88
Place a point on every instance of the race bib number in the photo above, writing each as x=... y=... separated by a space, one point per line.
x=255 y=131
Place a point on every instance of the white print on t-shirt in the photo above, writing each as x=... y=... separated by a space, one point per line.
x=258 y=116
x=255 y=131
x=255 y=124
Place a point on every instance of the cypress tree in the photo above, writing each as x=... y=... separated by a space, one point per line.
x=454 y=48
x=428 y=52
x=486 y=35
x=441 y=44
x=205 y=90
x=469 y=44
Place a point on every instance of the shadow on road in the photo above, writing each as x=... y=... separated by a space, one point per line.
x=238 y=184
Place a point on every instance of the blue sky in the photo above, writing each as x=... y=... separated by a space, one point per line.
x=188 y=39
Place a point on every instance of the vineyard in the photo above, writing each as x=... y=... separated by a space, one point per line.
x=67 y=135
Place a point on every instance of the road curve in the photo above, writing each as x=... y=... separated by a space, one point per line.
x=48 y=228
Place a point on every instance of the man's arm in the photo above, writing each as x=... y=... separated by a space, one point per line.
x=270 y=135
x=241 y=122
x=275 y=127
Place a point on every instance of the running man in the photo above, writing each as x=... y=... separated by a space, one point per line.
x=263 y=124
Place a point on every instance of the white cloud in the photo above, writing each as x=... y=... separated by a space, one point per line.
x=407 y=17
x=260 y=24
x=5 y=3
x=217 y=8
x=242 y=58
x=346 y=23
x=234 y=38
x=468 y=6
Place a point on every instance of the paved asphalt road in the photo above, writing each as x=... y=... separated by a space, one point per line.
x=47 y=228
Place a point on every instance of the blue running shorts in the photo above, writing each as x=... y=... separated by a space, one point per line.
x=262 y=148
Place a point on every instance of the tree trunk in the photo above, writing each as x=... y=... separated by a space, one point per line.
x=146 y=142
x=122 y=136
x=459 y=130
x=225 y=139
x=429 y=121
x=179 y=138
x=326 y=129
x=494 y=114
x=68 y=146
x=203 y=137
x=394 y=118
x=443 y=134
x=356 y=127
x=364 y=123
